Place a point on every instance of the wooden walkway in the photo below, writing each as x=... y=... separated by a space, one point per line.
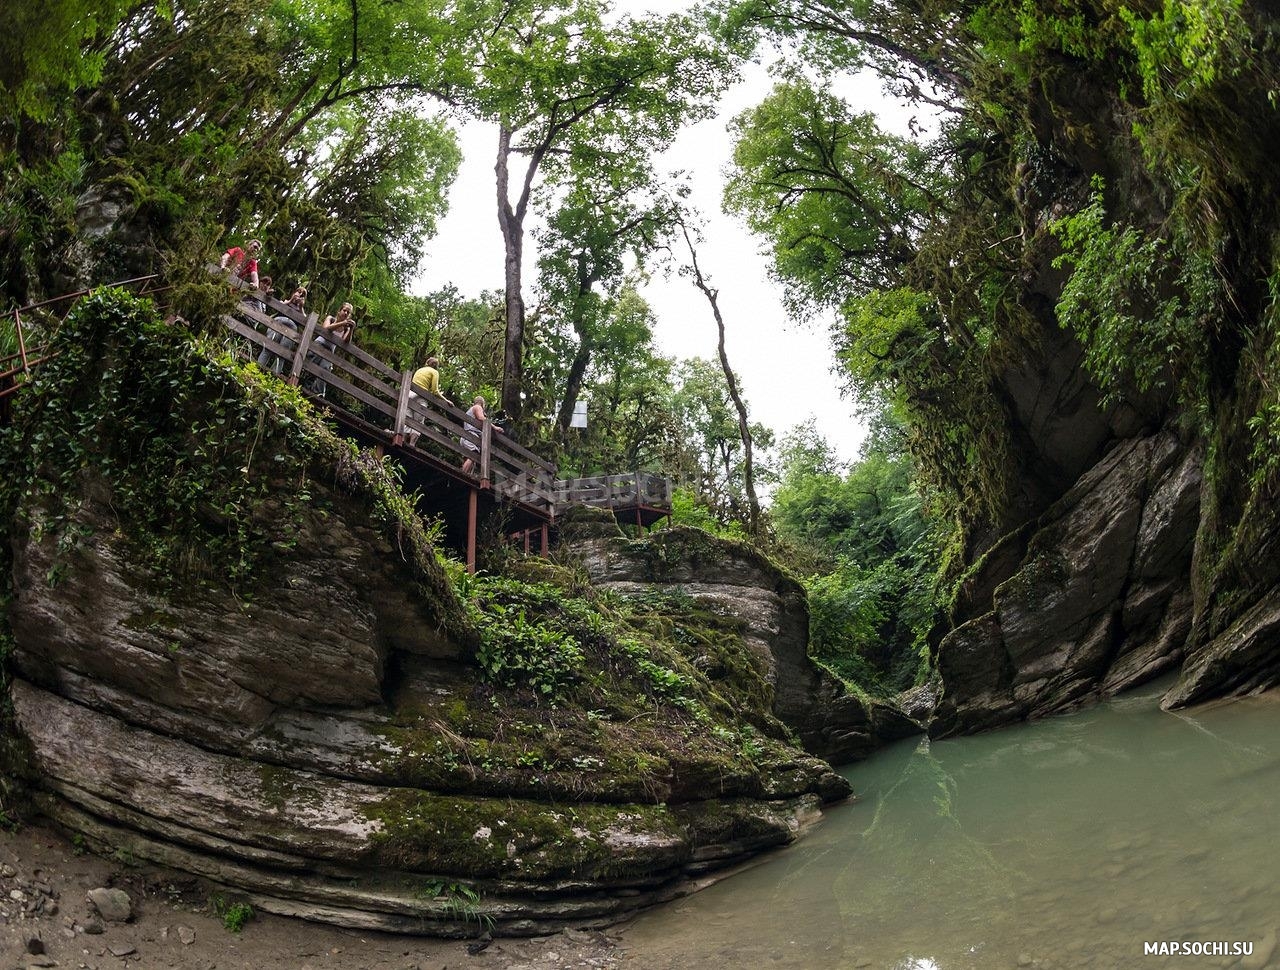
x=373 y=403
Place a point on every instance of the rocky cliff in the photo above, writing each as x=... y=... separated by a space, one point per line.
x=767 y=606
x=1098 y=601
x=1137 y=387
x=232 y=649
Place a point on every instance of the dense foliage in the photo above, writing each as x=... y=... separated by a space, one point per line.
x=869 y=550
x=1083 y=183
x=1094 y=167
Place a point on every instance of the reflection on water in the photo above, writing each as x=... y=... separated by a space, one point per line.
x=1063 y=844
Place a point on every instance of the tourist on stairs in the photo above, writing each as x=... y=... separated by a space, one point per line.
x=334 y=330
x=471 y=431
x=243 y=263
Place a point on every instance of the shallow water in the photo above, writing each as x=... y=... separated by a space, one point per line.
x=1066 y=843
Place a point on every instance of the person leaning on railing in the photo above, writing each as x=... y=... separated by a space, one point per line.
x=335 y=329
x=256 y=297
x=471 y=431
x=297 y=300
x=243 y=263
x=426 y=380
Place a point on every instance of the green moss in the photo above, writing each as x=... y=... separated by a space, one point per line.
x=211 y=467
x=486 y=838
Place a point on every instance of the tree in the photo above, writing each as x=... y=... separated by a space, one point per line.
x=46 y=52
x=841 y=203
x=297 y=122
x=571 y=92
x=628 y=386
x=708 y=457
x=608 y=223
x=870 y=551
x=731 y=384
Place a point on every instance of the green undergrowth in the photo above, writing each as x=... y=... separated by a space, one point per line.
x=209 y=467
x=591 y=695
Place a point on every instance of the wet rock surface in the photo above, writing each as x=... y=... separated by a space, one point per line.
x=311 y=801
x=330 y=751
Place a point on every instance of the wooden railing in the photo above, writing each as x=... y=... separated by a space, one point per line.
x=629 y=490
x=514 y=472
x=281 y=334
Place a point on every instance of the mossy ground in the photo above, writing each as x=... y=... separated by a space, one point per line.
x=655 y=699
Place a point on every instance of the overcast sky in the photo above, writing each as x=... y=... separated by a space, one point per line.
x=785 y=368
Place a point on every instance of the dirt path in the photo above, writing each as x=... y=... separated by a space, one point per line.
x=44 y=907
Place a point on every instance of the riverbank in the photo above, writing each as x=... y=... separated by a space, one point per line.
x=44 y=906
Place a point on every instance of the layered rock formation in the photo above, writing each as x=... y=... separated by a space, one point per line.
x=1099 y=599
x=313 y=729
x=737 y=581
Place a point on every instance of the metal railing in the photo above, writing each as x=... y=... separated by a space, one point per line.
x=43 y=320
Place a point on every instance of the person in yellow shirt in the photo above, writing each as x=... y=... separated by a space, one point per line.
x=426 y=379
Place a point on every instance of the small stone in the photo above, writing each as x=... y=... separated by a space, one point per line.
x=7 y=872
x=94 y=927
x=120 y=949
x=187 y=935
x=1024 y=959
x=113 y=905
x=50 y=909
x=67 y=933
x=16 y=895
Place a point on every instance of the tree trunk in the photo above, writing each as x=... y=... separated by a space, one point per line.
x=744 y=429
x=573 y=386
x=578 y=369
x=512 y=226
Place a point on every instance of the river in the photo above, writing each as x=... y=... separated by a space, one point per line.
x=1067 y=843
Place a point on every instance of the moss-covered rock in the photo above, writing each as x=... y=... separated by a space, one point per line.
x=236 y=650
x=742 y=621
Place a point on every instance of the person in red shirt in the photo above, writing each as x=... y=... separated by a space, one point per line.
x=243 y=262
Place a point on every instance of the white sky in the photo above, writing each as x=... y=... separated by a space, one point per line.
x=785 y=369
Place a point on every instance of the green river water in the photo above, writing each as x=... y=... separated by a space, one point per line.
x=1065 y=843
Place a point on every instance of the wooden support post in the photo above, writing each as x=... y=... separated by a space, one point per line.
x=472 y=500
x=546 y=536
x=526 y=541
x=304 y=344
x=486 y=445
x=402 y=408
